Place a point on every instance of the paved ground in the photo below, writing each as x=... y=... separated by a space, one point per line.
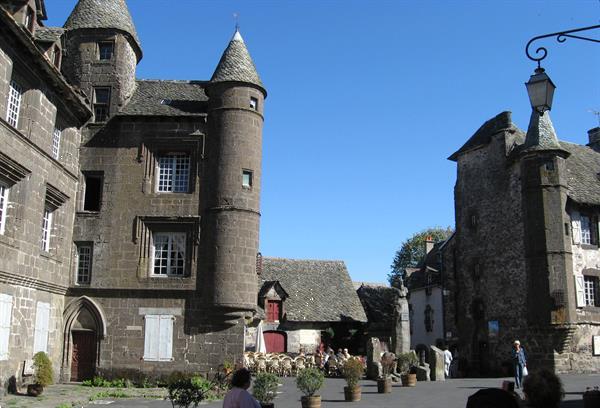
x=451 y=393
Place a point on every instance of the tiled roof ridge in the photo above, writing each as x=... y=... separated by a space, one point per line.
x=181 y=81
x=302 y=260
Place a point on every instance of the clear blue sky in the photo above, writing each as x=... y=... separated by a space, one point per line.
x=366 y=101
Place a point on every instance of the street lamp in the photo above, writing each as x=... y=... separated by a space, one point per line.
x=540 y=89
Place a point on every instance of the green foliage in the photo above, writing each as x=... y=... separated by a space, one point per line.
x=406 y=361
x=412 y=251
x=101 y=382
x=309 y=381
x=43 y=374
x=64 y=405
x=186 y=392
x=264 y=388
x=353 y=371
x=109 y=394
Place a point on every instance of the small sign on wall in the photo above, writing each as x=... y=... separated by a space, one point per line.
x=493 y=329
x=596 y=345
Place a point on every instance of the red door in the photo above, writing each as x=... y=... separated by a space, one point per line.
x=84 y=355
x=275 y=342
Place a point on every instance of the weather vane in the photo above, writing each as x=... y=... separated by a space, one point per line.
x=597 y=113
x=236 y=17
x=561 y=37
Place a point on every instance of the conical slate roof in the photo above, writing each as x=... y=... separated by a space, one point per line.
x=236 y=65
x=541 y=134
x=103 y=14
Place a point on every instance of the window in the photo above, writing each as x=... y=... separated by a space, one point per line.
x=428 y=319
x=29 y=19
x=247 y=178
x=5 y=320
x=94 y=182
x=84 y=263
x=57 y=55
x=253 y=103
x=173 y=173
x=46 y=228
x=3 y=206
x=14 y=103
x=169 y=254
x=101 y=104
x=590 y=291
x=40 y=334
x=56 y=143
x=273 y=310
x=158 y=338
x=588 y=230
x=105 y=50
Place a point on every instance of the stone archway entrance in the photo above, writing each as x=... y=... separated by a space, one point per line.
x=85 y=326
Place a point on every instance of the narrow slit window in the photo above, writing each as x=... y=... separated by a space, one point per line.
x=14 y=103
x=253 y=103
x=46 y=228
x=247 y=178
x=56 y=135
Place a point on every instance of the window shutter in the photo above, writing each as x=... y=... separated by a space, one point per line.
x=151 y=338
x=166 y=338
x=576 y=228
x=5 y=320
x=42 y=318
x=579 y=290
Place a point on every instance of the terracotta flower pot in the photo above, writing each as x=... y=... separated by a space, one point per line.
x=34 y=390
x=311 y=402
x=352 y=394
x=409 y=380
x=384 y=385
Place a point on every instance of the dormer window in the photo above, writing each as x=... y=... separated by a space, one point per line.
x=273 y=310
x=105 y=50
x=29 y=19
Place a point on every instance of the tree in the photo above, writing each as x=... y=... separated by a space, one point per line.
x=413 y=250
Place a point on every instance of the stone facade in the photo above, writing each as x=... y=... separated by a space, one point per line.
x=151 y=263
x=510 y=270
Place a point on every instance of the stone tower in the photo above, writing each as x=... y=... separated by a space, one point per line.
x=548 y=252
x=101 y=53
x=233 y=176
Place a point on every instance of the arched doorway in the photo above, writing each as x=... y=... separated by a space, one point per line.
x=275 y=341
x=85 y=326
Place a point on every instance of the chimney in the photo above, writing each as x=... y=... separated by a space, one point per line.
x=428 y=244
x=594 y=136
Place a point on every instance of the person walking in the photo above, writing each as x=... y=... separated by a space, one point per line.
x=447 y=361
x=519 y=358
x=238 y=396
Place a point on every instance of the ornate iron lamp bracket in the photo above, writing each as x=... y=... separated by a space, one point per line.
x=561 y=37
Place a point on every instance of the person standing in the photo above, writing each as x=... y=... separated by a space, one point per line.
x=447 y=361
x=519 y=358
x=238 y=396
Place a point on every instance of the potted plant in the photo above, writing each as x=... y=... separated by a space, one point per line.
x=309 y=381
x=384 y=384
x=406 y=364
x=352 y=371
x=264 y=389
x=43 y=374
x=591 y=397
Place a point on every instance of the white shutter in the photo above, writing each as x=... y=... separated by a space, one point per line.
x=165 y=351
x=576 y=228
x=42 y=318
x=5 y=320
x=151 y=337
x=579 y=290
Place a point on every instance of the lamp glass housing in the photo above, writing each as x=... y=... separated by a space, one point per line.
x=540 y=89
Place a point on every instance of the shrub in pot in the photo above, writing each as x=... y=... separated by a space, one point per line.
x=406 y=364
x=43 y=374
x=384 y=384
x=352 y=371
x=309 y=381
x=264 y=389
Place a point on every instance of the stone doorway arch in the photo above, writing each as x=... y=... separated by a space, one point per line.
x=84 y=329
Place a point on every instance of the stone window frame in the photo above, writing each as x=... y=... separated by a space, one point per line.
x=99 y=50
x=14 y=103
x=176 y=242
x=167 y=164
x=247 y=178
x=56 y=139
x=51 y=218
x=88 y=245
x=101 y=105
x=146 y=226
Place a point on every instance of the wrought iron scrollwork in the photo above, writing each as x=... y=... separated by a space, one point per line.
x=561 y=37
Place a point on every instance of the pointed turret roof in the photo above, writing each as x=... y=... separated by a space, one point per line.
x=104 y=14
x=236 y=65
x=541 y=134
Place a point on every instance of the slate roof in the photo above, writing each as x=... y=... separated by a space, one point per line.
x=378 y=302
x=103 y=14
x=236 y=65
x=540 y=134
x=48 y=34
x=484 y=134
x=166 y=98
x=319 y=291
x=583 y=167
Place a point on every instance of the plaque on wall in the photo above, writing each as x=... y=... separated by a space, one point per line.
x=596 y=345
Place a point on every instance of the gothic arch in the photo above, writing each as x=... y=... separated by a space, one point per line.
x=94 y=320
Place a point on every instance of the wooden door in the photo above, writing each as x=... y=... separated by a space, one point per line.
x=83 y=362
x=273 y=310
x=275 y=342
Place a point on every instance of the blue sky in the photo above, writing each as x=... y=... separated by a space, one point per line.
x=366 y=101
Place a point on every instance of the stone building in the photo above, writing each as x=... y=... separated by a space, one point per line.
x=151 y=208
x=524 y=262
x=305 y=302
